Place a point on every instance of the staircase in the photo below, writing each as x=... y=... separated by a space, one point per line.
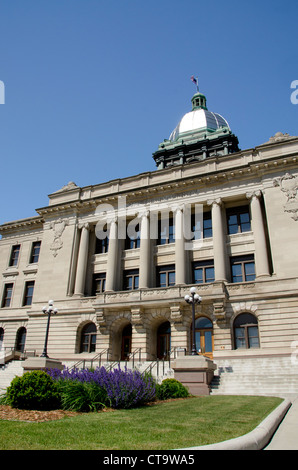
x=8 y=372
x=274 y=376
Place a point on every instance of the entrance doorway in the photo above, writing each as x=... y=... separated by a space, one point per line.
x=126 y=343
x=204 y=336
x=164 y=340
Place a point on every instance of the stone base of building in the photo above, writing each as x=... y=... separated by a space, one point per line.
x=41 y=363
x=195 y=373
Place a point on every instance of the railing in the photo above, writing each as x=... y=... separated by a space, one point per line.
x=8 y=354
x=96 y=359
x=161 y=362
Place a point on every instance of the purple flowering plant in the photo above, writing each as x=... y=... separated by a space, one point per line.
x=117 y=388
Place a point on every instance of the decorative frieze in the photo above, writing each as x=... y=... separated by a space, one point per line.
x=289 y=185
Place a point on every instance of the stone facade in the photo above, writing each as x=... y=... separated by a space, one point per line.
x=133 y=294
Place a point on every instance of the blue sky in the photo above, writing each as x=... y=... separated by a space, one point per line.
x=92 y=87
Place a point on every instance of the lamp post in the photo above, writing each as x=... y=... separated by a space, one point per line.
x=193 y=299
x=48 y=311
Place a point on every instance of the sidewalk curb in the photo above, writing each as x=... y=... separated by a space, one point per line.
x=256 y=439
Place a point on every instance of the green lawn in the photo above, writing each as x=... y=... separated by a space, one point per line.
x=169 y=425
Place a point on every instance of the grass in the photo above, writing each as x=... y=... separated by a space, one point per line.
x=170 y=425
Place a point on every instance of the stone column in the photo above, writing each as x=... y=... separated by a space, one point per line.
x=257 y=222
x=112 y=256
x=145 y=259
x=219 y=247
x=82 y=261
x=180 y=268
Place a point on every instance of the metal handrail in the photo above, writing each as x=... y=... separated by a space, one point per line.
x=92 y=360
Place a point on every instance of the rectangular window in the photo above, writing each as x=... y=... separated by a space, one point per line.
x=131 y=279
x=207 y=226
x=166 y=231
x=34 y=257
x=14 y=257
x=133 y=242
x=28 y=294
x=7 y=295
x=102 y=246
x=243 y=268
x=99 y=283
x=203 y=272
x=166 y=276
x=238 y=220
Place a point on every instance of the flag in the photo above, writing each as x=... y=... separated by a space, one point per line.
x=194 y=80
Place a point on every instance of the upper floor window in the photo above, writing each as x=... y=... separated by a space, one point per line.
x=99 y=283
x=238 y=219
x=166 y=231
x=14 y=256
x=203 y=272
x=102 y=246
x=133 y=241
x=34 y=257
x=243 y=268
x=28 y=294
x=7 y=295
x=207 y=226
x=166 y=276
x=131 y=279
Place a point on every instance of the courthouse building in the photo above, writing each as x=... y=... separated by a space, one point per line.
x=118 y=258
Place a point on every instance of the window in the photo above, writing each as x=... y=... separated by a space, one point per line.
x=133 y=242
x=88 y=338
x=14 y=257
x=7 y=295
x=1 y=337
x=207 y=226
x=99 y=283
x=238 y=220
x=166 y=231
x=102 y=246
x=131 y=279
x=166 y=276
x=28 y=295
x=203 y=272
x=35 y=252
x=243 y=268
x=246 y=332
x=21 y=339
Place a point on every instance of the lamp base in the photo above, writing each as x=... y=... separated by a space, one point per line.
x=41 y=363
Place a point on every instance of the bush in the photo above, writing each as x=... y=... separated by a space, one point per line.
x=81 y=396
x=171 y=388
x=34 y=390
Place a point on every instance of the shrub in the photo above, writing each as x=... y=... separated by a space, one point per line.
x=34 y=390
x=171 y=388
x=81 y=396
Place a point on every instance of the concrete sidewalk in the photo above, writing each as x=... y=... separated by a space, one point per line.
x=286 y=435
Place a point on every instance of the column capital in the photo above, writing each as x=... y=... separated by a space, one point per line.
x=251 y=194
x=85 y=225
x=216 y=201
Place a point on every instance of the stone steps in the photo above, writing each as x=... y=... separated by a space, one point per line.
x=8 y=372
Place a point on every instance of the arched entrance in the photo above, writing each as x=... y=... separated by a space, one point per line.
x=126 y=343
x=164 y=340
x=204 y=336
x=21 y=339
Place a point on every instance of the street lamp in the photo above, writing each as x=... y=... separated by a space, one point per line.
x=48 y=311
x=193 y=299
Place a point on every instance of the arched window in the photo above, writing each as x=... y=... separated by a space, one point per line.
x=88 y=338
x=1 y=337
x=21 y=339
x=246 y=331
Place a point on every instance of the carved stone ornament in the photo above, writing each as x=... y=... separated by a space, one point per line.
x=289 y=185
x=58 y=226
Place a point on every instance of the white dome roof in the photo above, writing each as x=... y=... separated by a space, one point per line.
x=198 y=120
